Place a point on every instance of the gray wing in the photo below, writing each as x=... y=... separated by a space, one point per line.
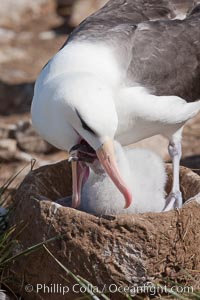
x=166 y=57
x=118 y=12
x=163 y=55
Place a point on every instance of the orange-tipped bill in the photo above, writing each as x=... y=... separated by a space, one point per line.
x=106 y=157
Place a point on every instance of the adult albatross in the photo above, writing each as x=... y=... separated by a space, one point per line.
x=129 y=71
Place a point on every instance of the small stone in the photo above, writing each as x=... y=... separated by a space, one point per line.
x=7 y=131
x=10 y=153
x=15 y=97
x=6 y=35
x=8 y=145
x=28 y=140
x=47 y=35
x=8 y=54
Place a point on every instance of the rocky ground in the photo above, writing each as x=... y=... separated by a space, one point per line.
x=29 y=35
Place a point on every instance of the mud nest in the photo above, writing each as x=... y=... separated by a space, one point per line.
x=123 y=250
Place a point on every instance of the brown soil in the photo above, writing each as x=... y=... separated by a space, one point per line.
x=125 y=250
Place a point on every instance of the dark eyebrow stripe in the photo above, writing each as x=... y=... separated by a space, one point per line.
x=84 y=125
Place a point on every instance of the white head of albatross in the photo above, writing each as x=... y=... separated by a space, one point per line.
x=86 y=122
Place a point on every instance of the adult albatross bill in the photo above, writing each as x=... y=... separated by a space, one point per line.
x=123 y=74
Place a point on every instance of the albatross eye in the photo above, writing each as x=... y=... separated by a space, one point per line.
x=84 y=125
